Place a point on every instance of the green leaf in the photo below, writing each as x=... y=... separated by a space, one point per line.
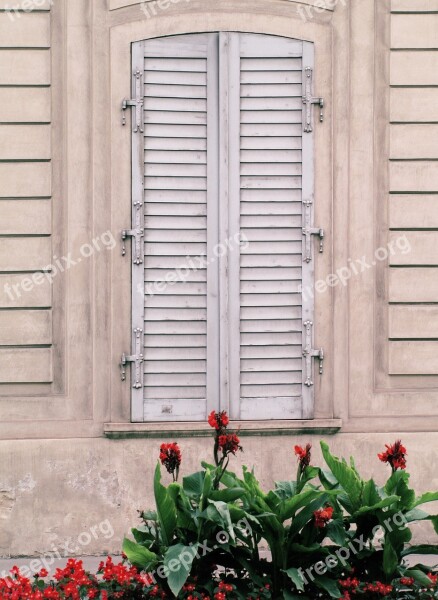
x=228 y=494
x=346 y=476
x=398 y=484
x=166 y=510
x=225 y=517
x=193 y=484
x=370 y=495
x=295 y=575
x=329 y=586
x=142 y=534
x=139 y=556
x=390 y=558
x=382 y=504
x=285 y=489
x=149 y=515
x=290 y=507
x=419 y=576
x=416 y=514
x=289 y=596
x=336 y=532
x=421 y=549
x=178 y=561
x=427 y=497
x=306 y=514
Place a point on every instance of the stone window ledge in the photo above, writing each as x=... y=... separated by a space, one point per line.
x=247 y=428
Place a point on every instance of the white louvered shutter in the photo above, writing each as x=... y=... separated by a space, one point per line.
x=272 y=174
x=222 y=156
x=180 y=77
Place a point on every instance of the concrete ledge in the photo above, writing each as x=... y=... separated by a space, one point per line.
x=246 y=428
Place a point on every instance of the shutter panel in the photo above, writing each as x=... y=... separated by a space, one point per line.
x=223 y=156
x=267 y=308
x=179 y=161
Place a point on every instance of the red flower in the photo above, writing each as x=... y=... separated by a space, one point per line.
x=303 y=455
x=323 y=516
x=170 y=457
x=229 y=444
x=394 y=455
x=219 y=420
x=43 y=573
x=407 y=581
x=433 y=578
x=378 y=588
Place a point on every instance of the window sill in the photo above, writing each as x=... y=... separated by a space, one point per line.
x=247 y=428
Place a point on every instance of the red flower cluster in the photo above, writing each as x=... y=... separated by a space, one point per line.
x=394 y=455
x=323 y=516
x=170 y=457
x=218 y=421
x=433 y=578
x=73 y=582
x=223 y=590
x=352 y=586
x=378 y=588
x=407 y=581
x=304 y=456
x=229 y=443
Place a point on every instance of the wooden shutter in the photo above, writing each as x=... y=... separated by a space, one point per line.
x=271 y=174
x=223 y=155
x=178 y=164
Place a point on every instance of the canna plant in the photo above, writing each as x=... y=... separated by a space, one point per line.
x=326 y=534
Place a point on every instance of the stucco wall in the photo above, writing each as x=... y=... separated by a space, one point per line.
x=80 y=491
x=59 y=476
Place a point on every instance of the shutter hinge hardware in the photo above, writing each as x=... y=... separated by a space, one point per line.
x=136 y=103
x=308 y=231
x=310 y=353
x=309 y=100
x=136 y=360
x=137 y=234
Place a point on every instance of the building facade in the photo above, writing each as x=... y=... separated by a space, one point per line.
x=278 y=160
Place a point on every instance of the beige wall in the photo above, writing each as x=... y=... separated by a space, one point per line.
x=65 y=179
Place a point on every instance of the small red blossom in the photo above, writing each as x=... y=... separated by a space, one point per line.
x=407 y=581
x=218 y=421
x=229 y=444
x=378 y=588
x=303 y=455
x=433 y=578
x=394 y=455
x=323 y=516
x=170 y=457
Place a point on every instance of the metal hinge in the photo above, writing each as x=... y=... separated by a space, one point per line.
x=310 y=353
x=308 y=231
x=137 y=234
x=136 y=360
x=136 y=103
x=309 y=100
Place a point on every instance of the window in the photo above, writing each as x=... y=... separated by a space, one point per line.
x=222 y=196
